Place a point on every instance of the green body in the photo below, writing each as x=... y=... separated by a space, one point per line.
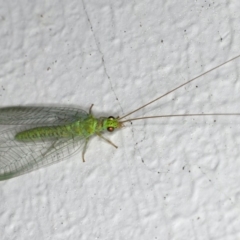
x=82 y=127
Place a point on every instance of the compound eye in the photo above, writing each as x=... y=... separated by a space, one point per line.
x=110 y=129
x=111 y=117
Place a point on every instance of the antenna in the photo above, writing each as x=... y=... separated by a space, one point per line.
x=183 y=115
x=189 y=81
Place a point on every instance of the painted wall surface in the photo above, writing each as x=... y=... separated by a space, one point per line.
x=170 y=178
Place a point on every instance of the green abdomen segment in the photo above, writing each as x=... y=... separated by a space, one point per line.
x=43 y=133
x=79 y=128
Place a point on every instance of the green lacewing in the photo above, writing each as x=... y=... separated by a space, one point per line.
x=41 y=136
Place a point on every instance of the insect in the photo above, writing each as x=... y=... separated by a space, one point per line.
x=41 y=136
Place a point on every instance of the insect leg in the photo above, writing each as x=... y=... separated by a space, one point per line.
x=90 y=110
x=107 y=140
x=85 y=146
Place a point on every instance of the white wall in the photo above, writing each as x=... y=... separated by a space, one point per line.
x=172 y=178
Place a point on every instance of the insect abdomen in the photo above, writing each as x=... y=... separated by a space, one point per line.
x=43 y=133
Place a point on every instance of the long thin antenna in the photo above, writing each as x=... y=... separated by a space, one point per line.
x=183 y=115
x=179 y=87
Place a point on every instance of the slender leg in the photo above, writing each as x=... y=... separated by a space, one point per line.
x=90 y=109
x=101 y=136
x=84 y=149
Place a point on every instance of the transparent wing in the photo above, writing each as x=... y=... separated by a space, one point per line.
x=17 y=158
x=40 y=115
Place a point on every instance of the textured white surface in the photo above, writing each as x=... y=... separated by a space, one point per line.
x=170 y=178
